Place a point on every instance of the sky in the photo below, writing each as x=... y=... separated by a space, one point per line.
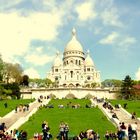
x=32 y=31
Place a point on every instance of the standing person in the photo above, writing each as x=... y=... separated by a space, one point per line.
x=66 y=130
x=134 y=129
x=3 y=127
x=107 y=135
x=61 y=129
x=5 y=105
x=129 y=132
x=45 y=130
x=123 y=130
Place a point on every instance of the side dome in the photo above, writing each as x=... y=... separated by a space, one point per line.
x=58 y=61
x=73 y=44
x=88 y=60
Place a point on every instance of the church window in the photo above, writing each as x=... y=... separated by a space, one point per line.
x=67 y=62
x=56 y=70
x=79 y=62
x=77 y=77
x=88 y=69
x=76 y=62
x=65 y=77
x=88 y=78
x=56 y=78
x=71 y=74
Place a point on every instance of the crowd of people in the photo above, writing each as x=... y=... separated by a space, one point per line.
x=22 y=108
x=12 y=135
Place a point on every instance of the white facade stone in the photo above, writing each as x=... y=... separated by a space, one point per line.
x=75 y=69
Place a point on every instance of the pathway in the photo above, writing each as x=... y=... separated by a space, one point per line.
x=12 y=118
x=122 y=114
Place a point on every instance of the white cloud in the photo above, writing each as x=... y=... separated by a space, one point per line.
x=17 y=31
x=38 y=59
x=117 y=39
x=110 y=39
x=32 y=73
x=137 y=74
x=86 y=11
x=127 y=41
x=111 y=17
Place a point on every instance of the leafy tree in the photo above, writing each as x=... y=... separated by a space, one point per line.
x=1 y=68
x=12 y=73
x=48 y=82
x=112 y=83
x=127 y=87
x=15 y=90
x=25 y=80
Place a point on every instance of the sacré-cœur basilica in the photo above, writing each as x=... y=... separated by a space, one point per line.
x=76 y=69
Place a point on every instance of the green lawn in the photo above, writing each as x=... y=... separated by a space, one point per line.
x=78 y=119
x=132 y=106
x=11 y=105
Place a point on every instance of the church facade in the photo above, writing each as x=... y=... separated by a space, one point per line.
x=76 y=69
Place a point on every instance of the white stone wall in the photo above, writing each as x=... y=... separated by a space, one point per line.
x=79 y=93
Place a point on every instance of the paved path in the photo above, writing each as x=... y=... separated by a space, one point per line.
x=123 y=116
x=10 y=120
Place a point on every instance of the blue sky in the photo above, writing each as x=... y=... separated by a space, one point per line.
x=32 y=31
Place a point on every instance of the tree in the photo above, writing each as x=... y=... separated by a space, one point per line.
x=112 y=83
x=12 y=73
x=48 y=82
x=1 y=68
x=25 y=80
x=127 y=87
x=15 y=90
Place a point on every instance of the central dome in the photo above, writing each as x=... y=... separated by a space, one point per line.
x=73 y=44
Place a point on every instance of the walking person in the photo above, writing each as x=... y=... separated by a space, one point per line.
x=66 y=130
x=61 y=129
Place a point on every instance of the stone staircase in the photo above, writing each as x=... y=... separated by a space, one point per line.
x=125 y=117
x=122 y=114
x=12 y=120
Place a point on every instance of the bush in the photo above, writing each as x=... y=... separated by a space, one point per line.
x=88 y=96
x=70 y=96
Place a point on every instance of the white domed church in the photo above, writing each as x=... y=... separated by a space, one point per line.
x=76 y=69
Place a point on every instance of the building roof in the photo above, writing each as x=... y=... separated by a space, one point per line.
x=137 y=86
x=58 y=61
x=73 y=44
x=88 y=60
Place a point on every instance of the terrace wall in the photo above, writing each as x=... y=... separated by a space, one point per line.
x=63 y=92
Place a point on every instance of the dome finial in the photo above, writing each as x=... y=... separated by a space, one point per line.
x=88 y=51
x=57 y=53
x=74 y=32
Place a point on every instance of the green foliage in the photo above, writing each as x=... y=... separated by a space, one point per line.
x=1 y=68
x=41 y=82
x=135 y=82
x=25 y=80
x=127 y=88
x=12 y=73
x=14 y=88
x=111 y=83
x=77 y=119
